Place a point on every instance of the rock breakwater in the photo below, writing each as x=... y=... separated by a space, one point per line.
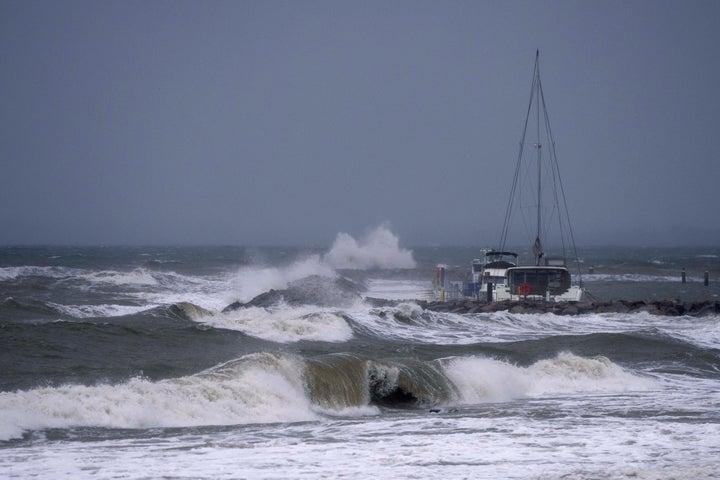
x=655 y=307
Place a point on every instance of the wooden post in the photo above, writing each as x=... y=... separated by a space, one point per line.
x=489 y=292
x=683 y=275
x=706 y=280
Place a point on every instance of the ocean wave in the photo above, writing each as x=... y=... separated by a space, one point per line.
x=409 y=322
x=37 y=310
x=282 y=323
x=13 y=307
x=97 y=311
x=13 y=273
x=281 y=387
x=138 y=276
x=260 y=388
x=480 y=379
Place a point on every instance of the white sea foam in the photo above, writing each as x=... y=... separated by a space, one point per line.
x=480 y=380
x=700 y=331
x=139 y=276
x=284 y=324
x=475 y=445
x=249 y=282
x=378 y=249
x=258 y=388
x=209 y=292
x=630 y=277
x=92 y=311
x=408 y=321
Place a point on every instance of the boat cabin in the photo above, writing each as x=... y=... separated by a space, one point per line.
x=539 y=280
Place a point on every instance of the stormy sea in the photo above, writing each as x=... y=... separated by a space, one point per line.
x=270 y=362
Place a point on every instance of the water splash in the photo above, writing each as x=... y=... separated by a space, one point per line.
x=378 y=249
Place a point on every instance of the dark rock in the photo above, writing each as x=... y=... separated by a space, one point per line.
x=233 y=306
x=312 y=290
x=657 y=307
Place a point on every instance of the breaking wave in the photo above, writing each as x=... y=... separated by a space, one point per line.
x=282 y=387
x=378 y=249
x=283 y=324
x=258 y=388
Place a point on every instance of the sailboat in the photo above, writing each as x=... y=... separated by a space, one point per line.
x=548 y=278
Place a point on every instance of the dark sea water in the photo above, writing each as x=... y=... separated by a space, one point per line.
x=119 y=362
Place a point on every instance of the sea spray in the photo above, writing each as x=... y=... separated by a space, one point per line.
x=251 y=281
x=378 y=249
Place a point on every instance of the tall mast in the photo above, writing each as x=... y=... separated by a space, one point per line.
x=537 y=248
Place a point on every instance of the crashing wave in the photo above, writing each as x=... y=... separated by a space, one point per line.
x=379 y=249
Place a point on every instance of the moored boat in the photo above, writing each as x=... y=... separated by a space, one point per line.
x=499 y=276
x=549 y=277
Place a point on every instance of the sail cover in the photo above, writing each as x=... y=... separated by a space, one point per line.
x=537 y=249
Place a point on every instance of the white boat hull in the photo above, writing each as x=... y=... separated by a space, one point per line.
x=573 y=294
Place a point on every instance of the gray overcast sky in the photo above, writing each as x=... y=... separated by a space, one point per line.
x=285 y=122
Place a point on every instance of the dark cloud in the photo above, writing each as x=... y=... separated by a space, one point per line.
x=288 y=122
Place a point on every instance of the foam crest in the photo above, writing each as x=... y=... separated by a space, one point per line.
x=259 y=388
x=568 y=373
x=284 y=324
x=93 y=311
x=379 y=249
x=480 y=380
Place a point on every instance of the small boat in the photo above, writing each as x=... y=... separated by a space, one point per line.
x=487 y=271
x=548 y=278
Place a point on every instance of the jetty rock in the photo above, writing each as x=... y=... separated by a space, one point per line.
x=310 y=290
x=655 y=307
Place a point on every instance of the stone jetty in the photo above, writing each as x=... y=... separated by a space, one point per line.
x=655 y=307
